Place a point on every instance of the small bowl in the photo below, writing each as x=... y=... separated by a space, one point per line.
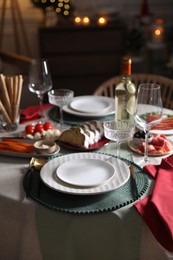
x=45 y=146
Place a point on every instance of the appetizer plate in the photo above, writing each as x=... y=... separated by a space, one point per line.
x=30 y=155
x=134 y=147
x=168 y=129
x=90 y=104
x=85 y=172
x=108 y=111
x=92 y=147
x=49 y=176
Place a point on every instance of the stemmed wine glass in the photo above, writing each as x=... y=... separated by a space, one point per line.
x=60 y=97
x=119 y=131
x=40 y=80
x=149 y=112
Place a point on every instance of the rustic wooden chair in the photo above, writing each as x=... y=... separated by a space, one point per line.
x=107 y=88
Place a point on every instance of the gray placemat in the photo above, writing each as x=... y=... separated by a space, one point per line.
x=83 y=204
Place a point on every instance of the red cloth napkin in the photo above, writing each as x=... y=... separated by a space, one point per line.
x=157 y=209
x=32 y=113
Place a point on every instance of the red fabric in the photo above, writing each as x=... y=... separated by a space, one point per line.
x=157 y=209
x=32 y=113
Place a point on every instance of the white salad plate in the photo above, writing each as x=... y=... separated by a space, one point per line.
x=85 y=172
x=90 y=104
x=108 y=102
x=49 y=174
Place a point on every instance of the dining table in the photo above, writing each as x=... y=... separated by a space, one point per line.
x=56 y=225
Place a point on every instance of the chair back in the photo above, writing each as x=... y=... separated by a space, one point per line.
x=107 y=88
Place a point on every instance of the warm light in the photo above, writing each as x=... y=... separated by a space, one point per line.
x=77 y=20
x=157 y=32
x=66 y=12
x=66 y=6
x=86 y=20
x=102 y=21
x=58 y=10
x=60 y=5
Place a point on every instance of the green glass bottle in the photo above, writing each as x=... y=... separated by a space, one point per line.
x=125 y=93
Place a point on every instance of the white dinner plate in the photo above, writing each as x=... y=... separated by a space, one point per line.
x=85 y=172
x=49 y=177
x=109 y=111
x=90 y=104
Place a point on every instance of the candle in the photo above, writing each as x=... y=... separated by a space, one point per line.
x=77 y=20
x=158 y=31
x=102 y=21
x=86 y=20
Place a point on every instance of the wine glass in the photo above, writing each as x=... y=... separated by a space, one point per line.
x=149 y=112
x=40 y=80
x=60 y=97
x=119 y=131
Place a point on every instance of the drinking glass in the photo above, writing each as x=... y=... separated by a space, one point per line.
x=59 y=98
x=119 y=131
x=149 y=112
x=40 y=80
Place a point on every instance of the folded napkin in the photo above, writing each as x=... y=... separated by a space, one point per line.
x=157 y=209
x=32 y=113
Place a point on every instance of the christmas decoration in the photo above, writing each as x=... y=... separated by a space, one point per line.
x=61 y=7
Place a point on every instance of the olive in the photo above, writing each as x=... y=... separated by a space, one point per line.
x=141 y=135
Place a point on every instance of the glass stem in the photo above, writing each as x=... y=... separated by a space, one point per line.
x=61 y=117
x=41 y=106
x=118 y=149
x=146 y=146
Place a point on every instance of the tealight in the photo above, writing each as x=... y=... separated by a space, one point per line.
x=77 y=20
x=102 y=21
x=86 y=20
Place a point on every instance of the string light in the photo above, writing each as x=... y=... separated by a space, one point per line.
x=63 y=7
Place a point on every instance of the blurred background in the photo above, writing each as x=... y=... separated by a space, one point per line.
x=84 y=41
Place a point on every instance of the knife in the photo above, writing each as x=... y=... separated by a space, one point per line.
x=133 y=182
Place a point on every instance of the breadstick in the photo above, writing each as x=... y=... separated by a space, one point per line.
x=5 y=96
x=9 y=83
x=4 y=113
x=19 y=81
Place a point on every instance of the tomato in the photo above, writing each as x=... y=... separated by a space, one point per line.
x=39 y=128
x=29 y=129
x=47 y=126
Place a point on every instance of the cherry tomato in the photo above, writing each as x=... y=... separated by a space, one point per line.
x=47 y=126
x=39 y=128
x=29 y=129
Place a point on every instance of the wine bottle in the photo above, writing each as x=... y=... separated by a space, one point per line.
x=125 y=94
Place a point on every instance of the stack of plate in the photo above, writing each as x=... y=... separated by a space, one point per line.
x=91 y=106
x=85 y=173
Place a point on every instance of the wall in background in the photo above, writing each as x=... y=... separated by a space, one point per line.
x=34 y=18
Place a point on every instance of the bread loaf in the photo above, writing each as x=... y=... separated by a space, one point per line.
x=83 y=135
